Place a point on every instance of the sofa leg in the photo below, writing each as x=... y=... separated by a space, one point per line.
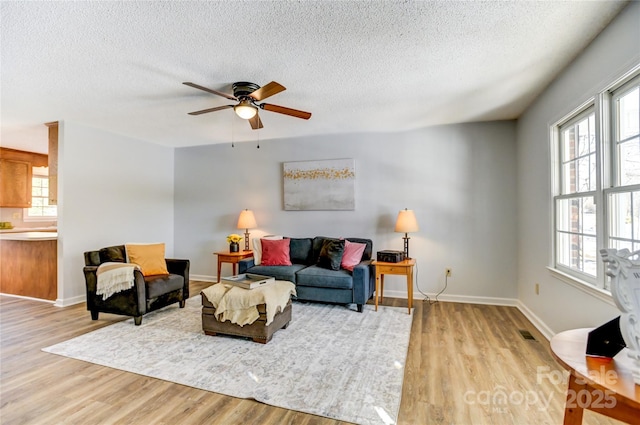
x=360 y=308
x=94 y=314
x=182 y=303
x=137 y=320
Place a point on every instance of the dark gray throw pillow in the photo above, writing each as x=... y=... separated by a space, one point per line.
x=331 y=254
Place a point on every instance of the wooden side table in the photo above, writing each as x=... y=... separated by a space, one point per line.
x=602 y=385
x=231 y=257
x=404 y=268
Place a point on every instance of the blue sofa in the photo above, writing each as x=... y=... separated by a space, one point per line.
x=315 y=283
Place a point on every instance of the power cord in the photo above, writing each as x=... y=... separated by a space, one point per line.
x=426 y=297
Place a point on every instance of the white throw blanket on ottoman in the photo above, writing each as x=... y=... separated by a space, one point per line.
x=238 y=305
x=114 y=277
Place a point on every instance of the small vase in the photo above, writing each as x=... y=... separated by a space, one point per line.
x=234 y=247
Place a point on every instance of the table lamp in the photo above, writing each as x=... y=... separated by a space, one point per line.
x=406 y=223
x=246 y=221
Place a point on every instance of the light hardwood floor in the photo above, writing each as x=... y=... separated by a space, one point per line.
x=461 y=359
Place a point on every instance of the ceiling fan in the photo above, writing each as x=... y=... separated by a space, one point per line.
x=247 y=95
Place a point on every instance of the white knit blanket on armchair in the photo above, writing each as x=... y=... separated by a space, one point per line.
x=114 y=277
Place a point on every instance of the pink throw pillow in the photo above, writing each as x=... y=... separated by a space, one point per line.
x=275 y=253
x=352 y=254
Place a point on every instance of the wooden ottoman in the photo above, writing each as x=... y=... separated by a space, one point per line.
x=257 y=330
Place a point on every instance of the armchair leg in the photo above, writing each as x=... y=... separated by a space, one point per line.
x=94 y=314
x=182 y=303
x=137 y=320
x=360 y=308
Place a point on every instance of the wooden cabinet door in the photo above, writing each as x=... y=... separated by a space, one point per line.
x=15 y=183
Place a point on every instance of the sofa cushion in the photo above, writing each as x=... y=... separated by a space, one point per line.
x=113 y=254
x=162 y=284
x=324 y=278
x=275 y=253
x=352 y=254
x=257 y=247
x=150 y=258
x=279 y=272
x=366 y=255
x=300 y=250
x=331 y=254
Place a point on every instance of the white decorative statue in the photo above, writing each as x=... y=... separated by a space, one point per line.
x=624 y=269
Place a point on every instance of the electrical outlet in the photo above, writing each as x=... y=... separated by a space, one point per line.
x=16 y=215
x=447 y=272
x=537 y=289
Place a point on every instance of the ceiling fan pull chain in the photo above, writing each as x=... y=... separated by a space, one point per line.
x=258 y=147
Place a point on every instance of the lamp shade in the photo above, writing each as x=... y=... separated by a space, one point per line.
x=246 y=220
x=406 y=222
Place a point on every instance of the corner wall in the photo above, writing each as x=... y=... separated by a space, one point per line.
x=561 y=306
x=459 y=179
x=112 y=190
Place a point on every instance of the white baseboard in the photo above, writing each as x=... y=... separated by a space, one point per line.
x=467 y=299
x=66 y=302
x=203 y=278
x=536 y=321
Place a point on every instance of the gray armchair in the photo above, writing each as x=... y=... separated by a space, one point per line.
x=148 y=293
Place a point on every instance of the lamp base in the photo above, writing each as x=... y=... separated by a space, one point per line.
x=406 y=247
x=246 y=240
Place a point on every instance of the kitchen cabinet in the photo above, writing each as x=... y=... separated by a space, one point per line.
x=16 y=172
x=29 y=264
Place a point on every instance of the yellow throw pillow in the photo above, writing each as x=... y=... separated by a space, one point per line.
x=150 y=258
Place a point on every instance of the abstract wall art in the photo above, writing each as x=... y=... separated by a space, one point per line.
x=319 y=185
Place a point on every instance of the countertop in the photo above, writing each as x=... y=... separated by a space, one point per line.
x=29 y=229
x=29 y=236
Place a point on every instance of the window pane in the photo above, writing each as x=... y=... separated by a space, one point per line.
x=36 y=191
x=49 y=211
x=568 y=145
x=577 y=252
x=576 y=215
x=629 y=159
x=629 y=112
x=620 y=223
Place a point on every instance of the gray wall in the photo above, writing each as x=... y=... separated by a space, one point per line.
x=459 y=179
x=113 y=190
x=561 y=306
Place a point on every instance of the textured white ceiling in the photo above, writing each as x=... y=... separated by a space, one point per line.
x=357 y=66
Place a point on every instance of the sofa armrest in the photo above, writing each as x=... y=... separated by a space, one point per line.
x=245 y=264
x=363 y=282
x=180 y=267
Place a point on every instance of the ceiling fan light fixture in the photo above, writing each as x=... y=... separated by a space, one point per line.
x=245 y=110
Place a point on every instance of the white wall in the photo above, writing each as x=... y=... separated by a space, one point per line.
x=459 y=179
x=113 y=190
x=559 y=305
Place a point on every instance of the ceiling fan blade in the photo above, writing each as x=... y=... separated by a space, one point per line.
x=256 y=122
x=287 y=111
x=267 y=91
x=196 y=86
x=217 y=108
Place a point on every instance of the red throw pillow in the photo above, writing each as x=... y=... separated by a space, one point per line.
x=275 y=253
x=352 y=254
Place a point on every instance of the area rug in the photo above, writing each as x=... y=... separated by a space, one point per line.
x=331 y=361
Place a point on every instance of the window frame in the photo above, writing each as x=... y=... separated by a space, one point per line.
x=32 y=218
x=604 y=105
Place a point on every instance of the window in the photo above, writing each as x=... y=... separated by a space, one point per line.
x=596 y=181
x=576 y=236
x=623 y=198
x=40 y=209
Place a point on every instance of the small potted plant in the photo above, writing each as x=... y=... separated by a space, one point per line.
x=233 y=240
